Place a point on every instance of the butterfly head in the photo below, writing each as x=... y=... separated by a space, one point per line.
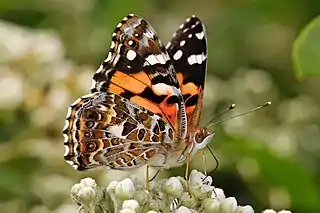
x=201 y=138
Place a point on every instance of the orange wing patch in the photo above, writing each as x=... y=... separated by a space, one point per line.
x=133 y=86
x=134 y=83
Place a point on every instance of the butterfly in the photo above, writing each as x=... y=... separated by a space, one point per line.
x=145 y=102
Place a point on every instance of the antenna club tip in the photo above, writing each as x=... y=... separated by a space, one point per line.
x=232 y=106
x=268 y=103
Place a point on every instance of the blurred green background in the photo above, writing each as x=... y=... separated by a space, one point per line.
x=49 y=50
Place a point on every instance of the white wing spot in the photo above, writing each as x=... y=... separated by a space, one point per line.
x=196 y=59
x=188 y=19
x=200 y=35
x=76 y=102
x=182 y=43
x=112 y=45
x=193 y=26
x=177 y=55
x=152 y=59
x=168 y=45
x=185 y=30
x=131 y=55
x=69 y=112
x=130 y=42
x=116 y=130
x=161 y=59
x=181 y=26
x=156 y=59
x=162 y=89
x=66 y=152
x=66 y=125
x=119 y=25
x=109 y=57
x=190 y=36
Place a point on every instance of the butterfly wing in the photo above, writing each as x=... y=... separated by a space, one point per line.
x=188 y=51
x=139 y=69
x=104 y=129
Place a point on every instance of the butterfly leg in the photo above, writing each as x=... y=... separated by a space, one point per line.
x=187 y=170
x=204 y=160
x=147 y=179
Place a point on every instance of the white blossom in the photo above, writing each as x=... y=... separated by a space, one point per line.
x=167 y=195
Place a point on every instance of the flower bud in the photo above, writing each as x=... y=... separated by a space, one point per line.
x=112 y=187
x=130 y=204
x=125 y=189
x=245 y=209
x=195 y=180
x=88 y=182
x=187 y=200
x=269 y=211
x=86 y=196
x=173 y=187
x=183 y=209
x=229 y=205
x=211 y=205
x=127 y=211
x=218 y=194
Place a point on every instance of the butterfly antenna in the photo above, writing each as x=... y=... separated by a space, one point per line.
x=217 y=163
x=241 y=114
x=231 y=107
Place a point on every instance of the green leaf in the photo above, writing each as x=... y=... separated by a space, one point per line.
x=306 y=50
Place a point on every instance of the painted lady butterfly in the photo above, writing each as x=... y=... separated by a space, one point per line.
x=145 y=101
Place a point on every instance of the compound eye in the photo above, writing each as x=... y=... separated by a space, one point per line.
x=198 y=138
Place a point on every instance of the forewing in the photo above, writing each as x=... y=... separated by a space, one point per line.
x=188 y=51
x=139 y=69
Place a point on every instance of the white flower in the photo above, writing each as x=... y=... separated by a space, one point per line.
x=118 y=196
x=86 y=196
x=207 y=180
x=130 y=204
x=173 y=187
x=195 y=180
x=88 y=182
x=269 y=211
x=229 y=205
x=197 y=186
x=211 y=205
x=112 y=187
x=85 y=193
x=183 y=209
x=127 y=211
x=218 y=194
x=75 y=189
x=125 y=189
x=187 y=200
x=245 y=209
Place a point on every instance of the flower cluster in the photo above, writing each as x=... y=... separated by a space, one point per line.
x=167 y=195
